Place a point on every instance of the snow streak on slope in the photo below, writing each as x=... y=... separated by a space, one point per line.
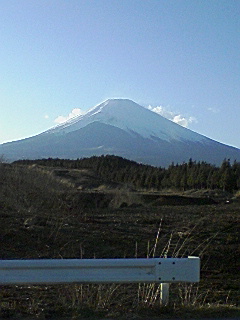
x=131 y=117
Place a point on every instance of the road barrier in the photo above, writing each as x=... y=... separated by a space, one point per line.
x=61 y=271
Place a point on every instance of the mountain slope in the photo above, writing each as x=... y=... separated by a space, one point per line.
x=124 y=128
x=131 y=117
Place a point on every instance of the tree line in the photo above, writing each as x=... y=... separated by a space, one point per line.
x=189 y=175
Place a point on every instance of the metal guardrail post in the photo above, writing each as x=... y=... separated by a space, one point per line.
x=164 y=295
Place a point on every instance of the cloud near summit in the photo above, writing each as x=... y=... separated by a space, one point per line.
x=74 y=113
x=177 y=118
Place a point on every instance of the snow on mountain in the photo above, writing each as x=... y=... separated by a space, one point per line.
x=121 y=127
x=131 y=117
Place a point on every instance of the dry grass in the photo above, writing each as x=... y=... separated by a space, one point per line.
x=40 y=217
x=237 y=194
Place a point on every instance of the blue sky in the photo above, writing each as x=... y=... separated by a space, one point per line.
x=180 y=57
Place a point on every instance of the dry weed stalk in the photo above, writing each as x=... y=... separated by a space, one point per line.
x=187 y=294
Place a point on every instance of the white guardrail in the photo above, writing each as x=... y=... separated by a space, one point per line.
x=138 y=270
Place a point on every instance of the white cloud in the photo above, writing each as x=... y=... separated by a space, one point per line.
x=177 y=118
x=46 y=116
x=162 y=111
x=74 y=113
x=180 y=120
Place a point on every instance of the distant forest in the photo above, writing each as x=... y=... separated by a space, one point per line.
x=190 y=175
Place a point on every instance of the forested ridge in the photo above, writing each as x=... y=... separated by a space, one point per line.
x=190 y=175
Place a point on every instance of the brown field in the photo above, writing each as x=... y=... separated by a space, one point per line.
x=43 y=215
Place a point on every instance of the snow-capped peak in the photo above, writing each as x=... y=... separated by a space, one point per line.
x=131 y=117
x=124 y=128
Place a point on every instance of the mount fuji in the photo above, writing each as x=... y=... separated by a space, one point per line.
x=121 y=127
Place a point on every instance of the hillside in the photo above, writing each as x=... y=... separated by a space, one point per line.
x=44 y=214
x=186 y=176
